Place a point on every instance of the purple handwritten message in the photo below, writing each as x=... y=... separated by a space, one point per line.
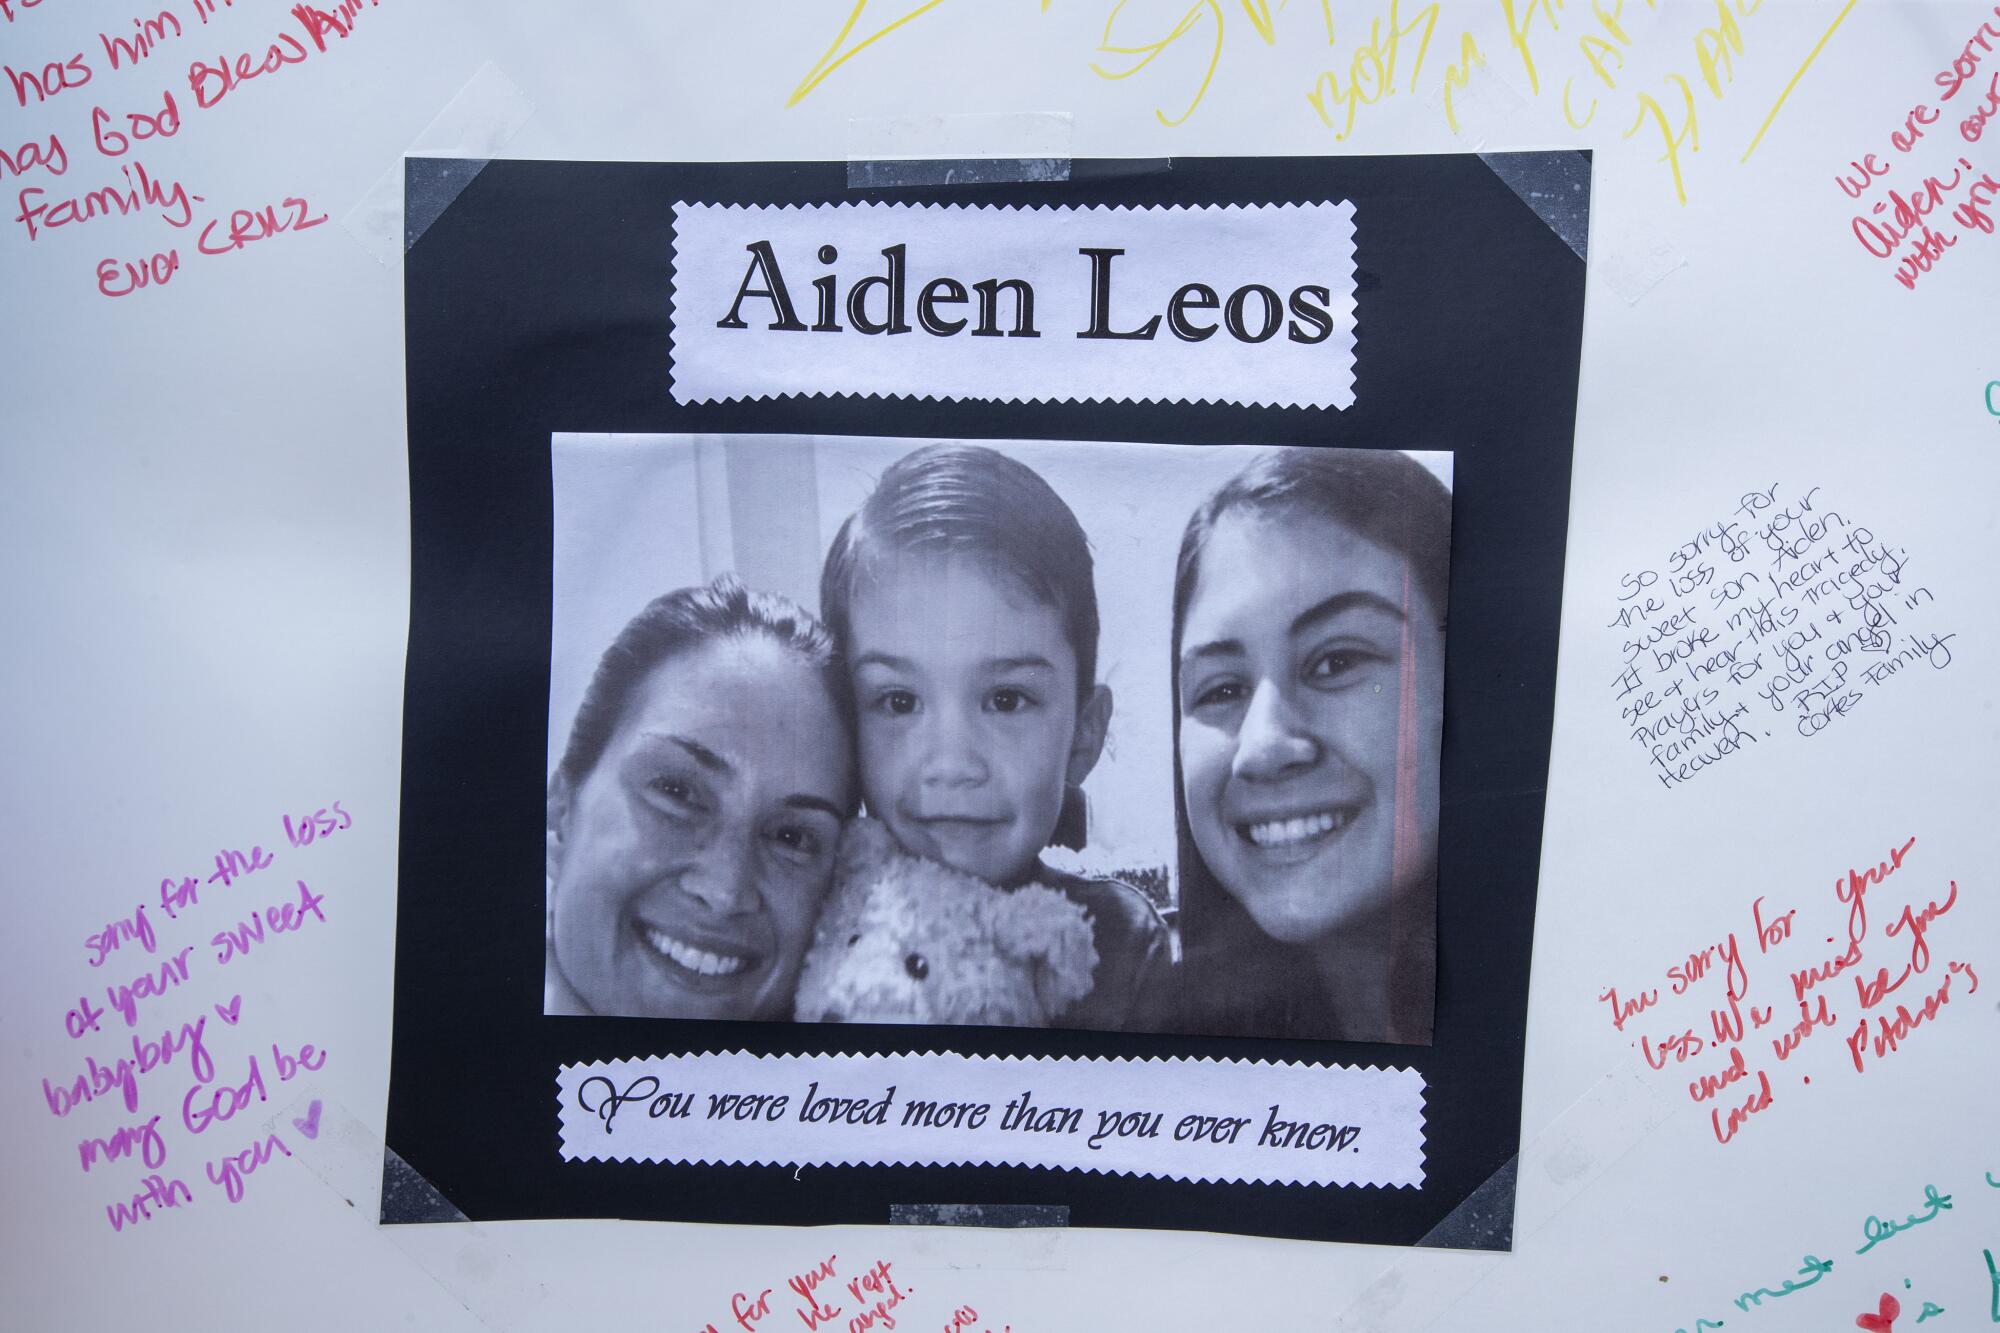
x=158 y=1076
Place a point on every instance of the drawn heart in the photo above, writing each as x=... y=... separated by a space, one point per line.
x=1884 y=1316
x=310 y=1128
x=232 y=1011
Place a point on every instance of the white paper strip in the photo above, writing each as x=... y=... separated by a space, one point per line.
x=1239 y=305
x=1220 y=1120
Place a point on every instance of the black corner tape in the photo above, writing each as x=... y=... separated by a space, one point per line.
x=408 y=1197
x=1484 y=1220
x=978 y=1215
x=1556 y=185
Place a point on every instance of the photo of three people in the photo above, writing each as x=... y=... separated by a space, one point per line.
x=1114 y=737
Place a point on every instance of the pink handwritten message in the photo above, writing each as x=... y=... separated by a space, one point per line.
x=159 y=1076
x=1846 y=975
x=96 y=130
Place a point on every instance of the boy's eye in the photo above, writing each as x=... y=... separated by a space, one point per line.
x=900 y=703
x=1007 y=699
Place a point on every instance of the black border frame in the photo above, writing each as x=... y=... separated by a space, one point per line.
x=537 y=302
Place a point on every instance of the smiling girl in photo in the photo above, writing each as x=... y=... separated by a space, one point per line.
x=961 y=594
x=1308 y=660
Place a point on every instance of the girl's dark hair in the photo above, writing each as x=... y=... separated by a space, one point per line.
x=678 y=622
x=966 y=499
x=1240 y=978
x=1387 y=497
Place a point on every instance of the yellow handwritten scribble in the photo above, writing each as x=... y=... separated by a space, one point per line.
x=1151 y=51
x=1459 y=73
x=1674 y=111
x=834 y=57
x=1517 y=33
x=1689 y=132
x=1259 y=12
x=1371 y=70
x=1715 y=49
x=1811 y=56
x=1144 y=54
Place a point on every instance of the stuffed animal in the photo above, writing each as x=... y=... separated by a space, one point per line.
x=905 y=940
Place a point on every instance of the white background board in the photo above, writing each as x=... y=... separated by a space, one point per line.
x=204 y=536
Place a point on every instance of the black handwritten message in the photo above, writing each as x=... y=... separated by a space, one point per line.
x=1777 y=619
x=162 y=1066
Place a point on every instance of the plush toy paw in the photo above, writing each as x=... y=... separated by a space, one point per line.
x=905 y=940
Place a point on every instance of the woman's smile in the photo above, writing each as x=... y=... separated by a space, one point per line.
x=692 y=859
x=693 y=963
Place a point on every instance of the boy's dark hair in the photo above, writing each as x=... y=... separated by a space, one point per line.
x=679 y=622
x=949 y=499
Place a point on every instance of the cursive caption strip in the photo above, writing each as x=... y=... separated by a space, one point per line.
x=1216 y=1120
x=1784 y=615
x=1250 y=305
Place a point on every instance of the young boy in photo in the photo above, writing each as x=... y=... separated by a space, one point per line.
x=961 y=594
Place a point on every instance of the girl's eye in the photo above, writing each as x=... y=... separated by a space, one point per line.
x=1338 y=666
x=897 y=703
x=1222 y=694
x=1007 y=699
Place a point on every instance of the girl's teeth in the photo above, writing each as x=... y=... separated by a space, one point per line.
x=1281 y=832
x=696 y=960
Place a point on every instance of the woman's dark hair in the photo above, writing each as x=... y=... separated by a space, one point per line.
x=966 y=499
x=1244 y=981
x=678 y=622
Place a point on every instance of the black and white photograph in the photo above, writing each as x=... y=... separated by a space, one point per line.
x=1118 y=737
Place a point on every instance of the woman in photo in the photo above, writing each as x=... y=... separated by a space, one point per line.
x=962 y=596
x=1308 y=664
x=693 y=818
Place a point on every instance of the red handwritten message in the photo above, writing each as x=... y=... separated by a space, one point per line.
x=240 y=905
x=1930 y=183
x=1736 y=1061
x=822 y=1296
x=97 y=110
